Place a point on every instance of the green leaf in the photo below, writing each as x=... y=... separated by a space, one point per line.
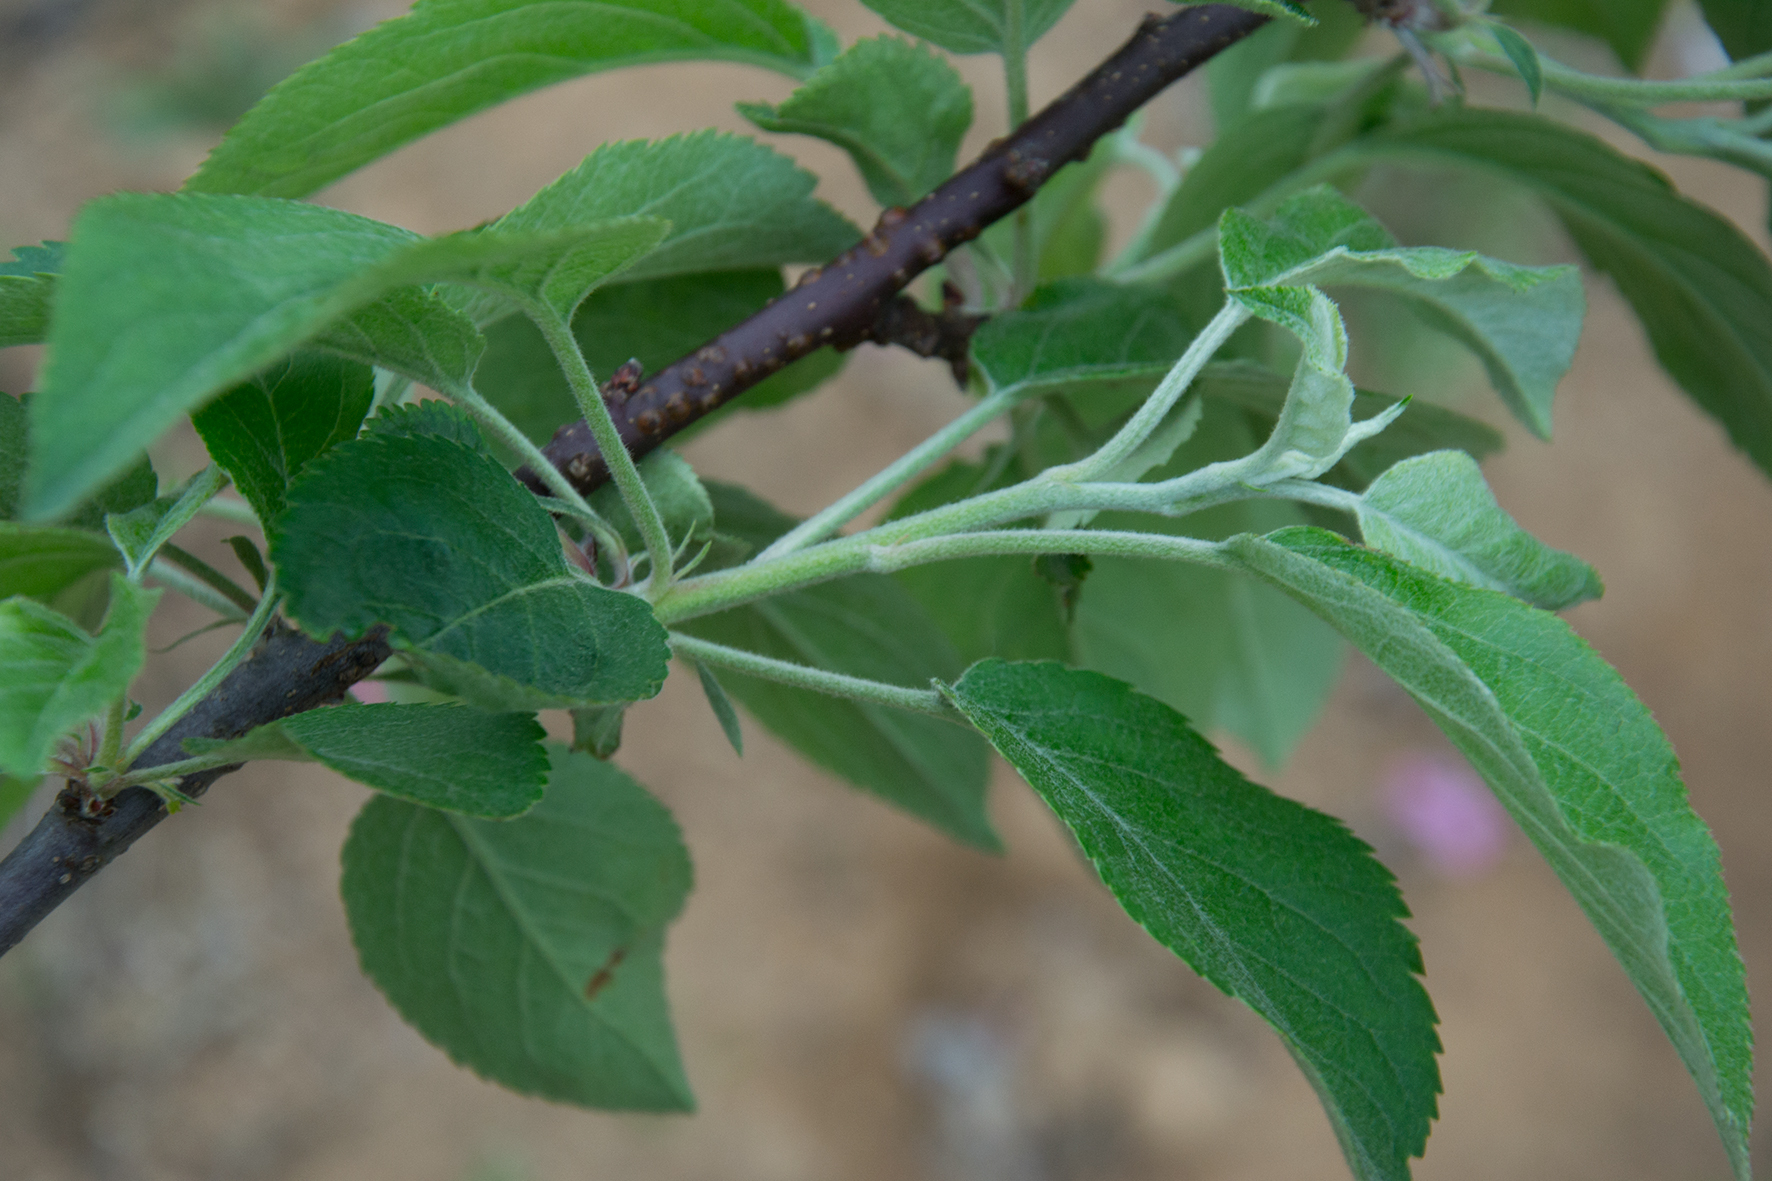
x=15 y=449
x=1522 y=322
x=1436 y=512
x=451 y=757
x=655 y=322
x=27 y=291
x=1235 y=656
x=722 y=707
x=731 y=202
x=1422 y=428
x=971 y=26
x=447 y=59
x=413 y=333
x=897 y=108
x=1628 y=26
x=437 y=540
x=40 y=561
x=169 y=298
x=1525 y=58
x=141 y=532
x=985 y=606
x=551 y=258
x=57 y=676
x=1578 y=762
x=431 y=418
x=1743 y=26
x=1276 y=904
x=264 y=431
x=1701 y=288
x=1106 y=344
x=15 y=793
x=866 y=626
x=682 y=502
x=1233 y=74
x=528 y=950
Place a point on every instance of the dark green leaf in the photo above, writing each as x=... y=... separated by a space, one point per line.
x=866 y=626
x=447 y=59
x=263 y=432
x=413 y=333
x=57 y=676
x=440 y=542
x=39 y=561
x=133 y=489
x=722 y=707
x=897 y=108
x=254 y=562
x=1628 y=26
x=431 y=418
x=529 y=950
x=451 y=757
x=1278 y=905
x=1579 y=763
x=1743 y=26
x=1701 y=288
x=1436 y=512
x=972 y=26
x=27 y=289
x=15 y=449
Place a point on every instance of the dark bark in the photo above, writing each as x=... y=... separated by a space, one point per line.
x=853 y=299
x=80 y=834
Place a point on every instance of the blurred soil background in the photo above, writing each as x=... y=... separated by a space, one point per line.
x=857 y=998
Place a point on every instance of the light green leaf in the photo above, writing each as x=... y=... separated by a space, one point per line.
x=1701 y=288
x=1578 y=762
x=141 y=532
x=57 y=676
x=897 y=108
x=1522 y=322
x=731 y=203
x=447 y=59
x=264 y=431
x=722 y=707
x=1520 y=52
x=971 y=26
x=1435 y=511
x=1232 y=75
x=1628 y=26
x=1278 y=905
x=27 y=290
x=1422 y=428
x=411 y=332
x=866 y=626
x=682 y=502
x=451 y=757
x=40 y=561
x=169 y=298
x=437 y=540
x=15 y=793
x=596 y=729
x=528 y=950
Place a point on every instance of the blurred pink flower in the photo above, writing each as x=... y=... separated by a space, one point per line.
x=370 y=692
x=1445 y=810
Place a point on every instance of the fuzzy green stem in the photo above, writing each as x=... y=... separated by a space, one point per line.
x=227 y=508
x=163 y=571
x=894 y=476
x=231 y=659
x=558 y=334
x=784 y=672
x=112 y=744
x=214 y=579
x=1745 y=81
